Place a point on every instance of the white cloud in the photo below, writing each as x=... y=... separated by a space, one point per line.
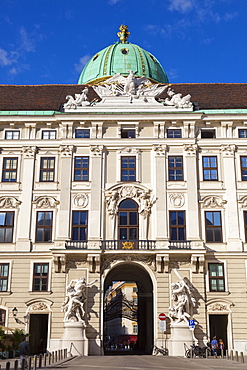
x=181 y=5
x=113 y=2
x=82 y=62
x=6 y=59
x=27 y=42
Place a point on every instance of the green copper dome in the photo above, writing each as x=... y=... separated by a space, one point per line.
x=120 y=58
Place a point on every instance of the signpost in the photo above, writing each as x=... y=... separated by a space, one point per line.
x=192 y=324
x=162 y=318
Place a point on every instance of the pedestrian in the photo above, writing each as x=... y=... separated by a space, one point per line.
x=214 y=346
x=221 y=347
x=24 y=352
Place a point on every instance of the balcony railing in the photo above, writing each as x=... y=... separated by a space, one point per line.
x=179 y=244
x=128 y=244
x=73 y=244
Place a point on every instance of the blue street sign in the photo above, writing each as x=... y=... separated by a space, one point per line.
x=192 y=323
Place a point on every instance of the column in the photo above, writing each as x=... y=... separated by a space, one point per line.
x=160 y=222
x=23 y=241
x=232 y=217
x=193 y=226
x=63 y=217
x=95 y=212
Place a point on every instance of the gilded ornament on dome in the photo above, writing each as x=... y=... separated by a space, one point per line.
x=123 y=34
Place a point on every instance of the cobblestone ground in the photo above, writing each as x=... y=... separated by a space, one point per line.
x=147 y=362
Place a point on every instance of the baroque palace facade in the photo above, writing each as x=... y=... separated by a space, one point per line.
x=123 y=177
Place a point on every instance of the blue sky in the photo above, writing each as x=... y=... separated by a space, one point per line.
x=49 y=41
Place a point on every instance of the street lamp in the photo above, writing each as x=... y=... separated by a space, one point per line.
x=14 y=312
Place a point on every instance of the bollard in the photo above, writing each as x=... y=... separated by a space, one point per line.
x=29 y=363
x=222 y=353
x=59 y=355
x=231 y=355
x=49 y=358
x=65 y=352
x=8 y=365
x=23 y=364
x=45 y=357
x=242 y=357
x=191 y=353
x=55 y=356
x=40 y=360
x=34 y=362
x=52 y=357
x=236 y=355
x=16 y=365
x=227 y=356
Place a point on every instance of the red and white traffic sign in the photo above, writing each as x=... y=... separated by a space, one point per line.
x=162 y=316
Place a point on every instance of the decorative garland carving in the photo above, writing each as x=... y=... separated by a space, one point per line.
x=177 y=263
x=243 y=201
x=45 y=202
x=143 y=197
x=160 y=150
x=190 y=149
x=29 y=151
x=39 y=306
x=107 y=261
x=74 y=263
x=177 y=200
x=212 y=201
x=66 y=150
x=128 y=150
x=217 y=307
x=228 y=150
x=80 y=200
x=96 y=150
x=9 y=202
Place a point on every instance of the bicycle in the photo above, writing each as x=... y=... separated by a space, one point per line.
x=196 y=351
x=162 y=351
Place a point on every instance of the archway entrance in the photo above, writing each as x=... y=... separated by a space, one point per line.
x=128 y=310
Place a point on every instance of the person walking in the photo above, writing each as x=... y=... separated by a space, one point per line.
x=24 y=352
x=214 y=346
x=221 y=348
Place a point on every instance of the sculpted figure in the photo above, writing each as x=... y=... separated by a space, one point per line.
x=183 y=302
x=73 y=306
x=145 y=203
x=177 y=101
x=111 y=201
x=79 y=101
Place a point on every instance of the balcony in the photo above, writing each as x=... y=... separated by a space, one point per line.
x=179 y=244
x=74 y=244
x=128 y=244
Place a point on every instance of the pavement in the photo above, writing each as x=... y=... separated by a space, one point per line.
x=147 y=362
x=139 y=363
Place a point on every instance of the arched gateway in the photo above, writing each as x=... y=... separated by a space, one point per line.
x=120 y=309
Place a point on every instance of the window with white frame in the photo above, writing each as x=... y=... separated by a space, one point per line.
x=47 y=169
x=6 y=226
x=2 y=317
x=9 y=173
x=12 y=134
x=40 y=277
x=216 y=277
x=4 y=277
x=48 y=134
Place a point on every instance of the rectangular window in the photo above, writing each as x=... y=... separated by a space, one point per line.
x=4 y=275
x=128 y=133
x=243 y=168
x=9 y=169
x=81 y=169
x=40 y=277
x=47 y=169
x=12 y=135
x=245 y=225
x=79 y=225
x=128 y=169
x=242 y=133
x=216 y=277
x=213 y=227
x=44 y=227
x=135 y=301
x=209 y=168
x=135 y=329
x=173 y=133
x=2 y=317
x=6 y=227
x=49 y=134
x=177 y=225
x=82 y=133
x=207 y=134
x=175 y=168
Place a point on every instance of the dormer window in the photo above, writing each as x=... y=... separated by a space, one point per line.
x=49 y=134
x=82 y=133
x=127 y=133
x=208 y=134
x=12 y=135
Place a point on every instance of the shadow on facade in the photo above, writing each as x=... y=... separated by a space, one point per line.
x=142 y=343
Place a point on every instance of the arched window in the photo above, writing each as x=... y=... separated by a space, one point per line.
x=128 y=220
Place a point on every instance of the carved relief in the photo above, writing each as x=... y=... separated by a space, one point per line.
x=96 y=150
x=66 y=150
x=143 y=197
x=177 y=101
x=228 y=150
x=29 y=151
x=190 y=149
x=176 y=200
x=212 y=201
x=39 y=306
x=45 y=202
x=108 y=261
x=177 y=263
x=217 y=307
x=80 y=200
x=128 y=150
x=9 y=202
x=73 y=263
x=243 y=201
x=160 y=149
